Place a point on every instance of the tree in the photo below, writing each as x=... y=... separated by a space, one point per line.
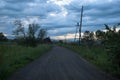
x=31 y=39
x=19 y=31
x=100 y=35
x=33 y=28
x=91 y=36
x=28 y=37
x=112 y=42
x=88 y=38
x=86 y=35
x=60 y=41
x=41 y=35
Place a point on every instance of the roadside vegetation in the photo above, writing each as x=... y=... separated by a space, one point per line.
x=14 y=57
x=98 y=56
x=101 y=49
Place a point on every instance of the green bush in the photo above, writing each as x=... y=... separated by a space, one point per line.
x=112 y=43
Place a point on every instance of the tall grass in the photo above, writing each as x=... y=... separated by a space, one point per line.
x=98 y=56
x=14 y=57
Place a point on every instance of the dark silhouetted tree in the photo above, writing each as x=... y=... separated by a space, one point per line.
x=60 y=41
x=33 y=28
x=31 y=40
x=112 y=42
x=19 y=31
x=28 y=37
x=100 y=35
x=91 y=36
x=88 y=38
x=41 y=35
x=86 y=35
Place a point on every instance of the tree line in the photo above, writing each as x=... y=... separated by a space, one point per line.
x=30 y=36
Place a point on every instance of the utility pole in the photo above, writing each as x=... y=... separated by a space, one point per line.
x=65 y=38
x=80 y=25
x=76 y=31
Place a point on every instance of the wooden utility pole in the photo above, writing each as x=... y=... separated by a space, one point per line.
x=76 y=31
x=80 y=25
x=65 y=38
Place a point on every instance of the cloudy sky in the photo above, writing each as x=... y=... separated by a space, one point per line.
x=59 y=17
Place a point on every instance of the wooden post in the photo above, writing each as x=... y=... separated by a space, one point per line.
x=76 y=31
x=80 y=25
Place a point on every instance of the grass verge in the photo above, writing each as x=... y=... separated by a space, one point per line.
x=96 y=55
x=14 y=57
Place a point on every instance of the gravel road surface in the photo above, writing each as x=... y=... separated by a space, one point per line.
x=60 y=64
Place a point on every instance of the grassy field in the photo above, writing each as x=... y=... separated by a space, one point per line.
x=14 y=57
x=96 y=55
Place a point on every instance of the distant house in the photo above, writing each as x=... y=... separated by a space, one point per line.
x=2 y=37
x=47 y=40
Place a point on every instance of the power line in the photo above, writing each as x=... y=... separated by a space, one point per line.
x=91 y=25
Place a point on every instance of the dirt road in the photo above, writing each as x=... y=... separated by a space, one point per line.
x=60 y=64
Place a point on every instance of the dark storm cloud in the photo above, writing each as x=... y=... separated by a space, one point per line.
x=96 y=10
x=42 y=10
x=25 y=1
x=75 y=6
x=60 y=18
x=17 y=8
x=12 y=10
x=13 y=7
x=18 y=1
x=52 y=27
x=103 y=10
